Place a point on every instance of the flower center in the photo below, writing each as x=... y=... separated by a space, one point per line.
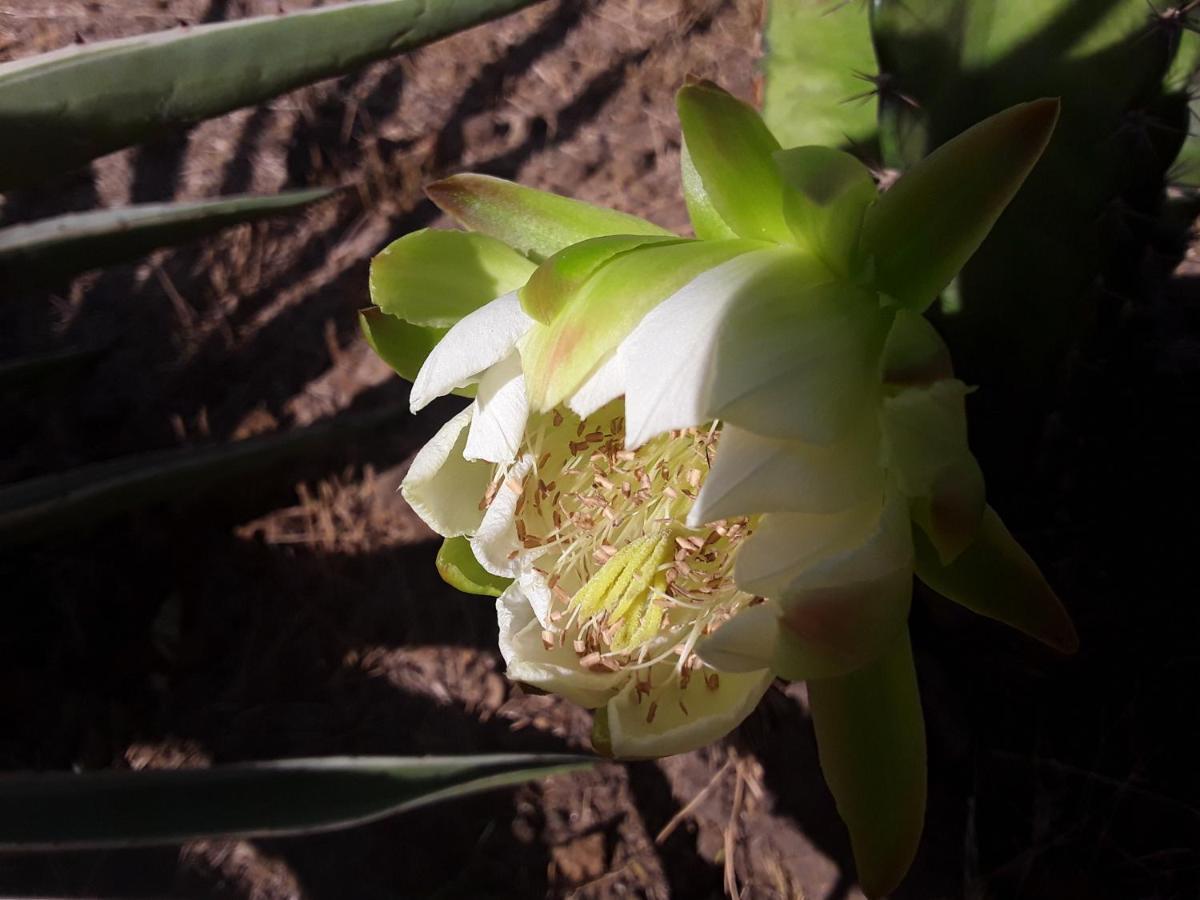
x=630 y=584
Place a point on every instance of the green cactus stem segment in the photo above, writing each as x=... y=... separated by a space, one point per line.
x=631 y=586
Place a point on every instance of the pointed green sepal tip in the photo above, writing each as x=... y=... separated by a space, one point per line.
x=556 y=280
x=536 y=223
x=923 y=230
x=731 y=184
x=995 y=577
x=459 y=568
x=871 y=744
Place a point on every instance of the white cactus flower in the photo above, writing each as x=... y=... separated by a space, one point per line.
x=691 y=466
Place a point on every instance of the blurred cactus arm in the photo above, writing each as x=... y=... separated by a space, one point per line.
x=61 y=109
x=55 y=249
x=817 y=63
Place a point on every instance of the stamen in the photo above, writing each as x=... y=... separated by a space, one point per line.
x=631 y=586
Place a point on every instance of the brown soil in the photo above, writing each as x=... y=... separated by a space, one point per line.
x=301 y=615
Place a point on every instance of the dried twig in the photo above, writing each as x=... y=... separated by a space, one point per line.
x=687 y=810
x=731 y=835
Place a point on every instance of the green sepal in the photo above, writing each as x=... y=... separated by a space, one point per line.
x=601 y=735
x=914 y=354
x=402 y=345
x=558 y=359
x=995 y=577
x=559 y=277
x=831 y=191
x=707 y=223
x=923 y=230
x=731 y=151
x=434 y=278
x=871 y=742
x=459 y=568
x=536 y=223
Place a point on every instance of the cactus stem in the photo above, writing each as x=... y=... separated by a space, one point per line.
x=1174 y=20
x=1118 y=208
x=842 y=5
x=883 y=87
x=1140 y=125
x=1175 y=14
x=1141 y=122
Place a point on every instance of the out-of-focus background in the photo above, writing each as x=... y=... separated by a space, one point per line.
x=298 y=613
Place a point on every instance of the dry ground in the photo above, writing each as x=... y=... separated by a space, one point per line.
x=300 y=615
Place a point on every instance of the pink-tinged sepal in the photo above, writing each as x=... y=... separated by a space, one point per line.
x=535 y=223
x=996 y=578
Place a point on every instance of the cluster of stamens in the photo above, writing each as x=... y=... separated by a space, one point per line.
x=632 y=587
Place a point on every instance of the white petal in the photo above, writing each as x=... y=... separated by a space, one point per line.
x=668 y=357
x=794 y=552
x=710 y=715
x=556 y=669
x=798 y=359
x=924 y=430
x=953 y=512
x=914 y=354
x=925 y=446
x=842 y=603
x=831 y=631
x=753 y=474
x=475 y=343
x=746 y=643
x=785 y=545
x=798 y=551
x=495 y=543
x=443 y=488
x=606 y=385
x=537 y=592
x=513 y=615
x=501 y=410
